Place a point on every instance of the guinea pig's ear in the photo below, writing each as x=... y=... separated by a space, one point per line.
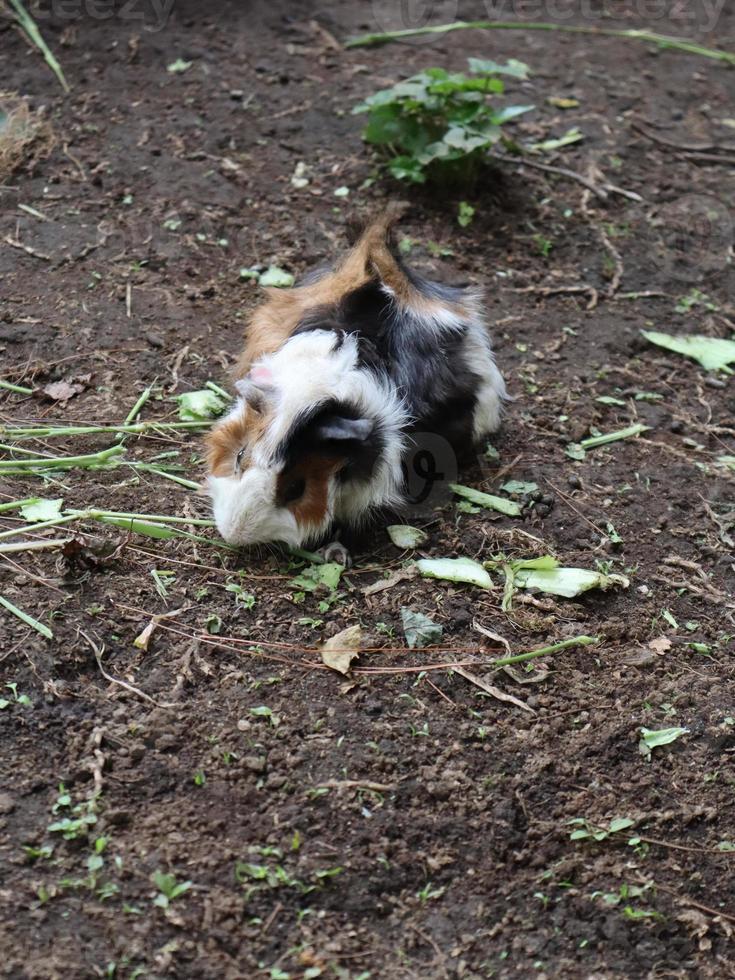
x=255 y=395
x=337 y=428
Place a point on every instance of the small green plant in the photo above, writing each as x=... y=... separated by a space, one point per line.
x=168 y=888
x=79 y=817
x=465 y=214
x=622 y=898
x=243 y=599
x=162 y=579
x=437 y=126
x=586 y=830
x=427 y=892
x=21 y=699
x=273 y=875
x=696 y=298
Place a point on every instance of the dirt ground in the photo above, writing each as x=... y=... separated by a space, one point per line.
x=399 y=822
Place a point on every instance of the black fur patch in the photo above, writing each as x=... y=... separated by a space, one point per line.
x=422 y=362
x=304 y=439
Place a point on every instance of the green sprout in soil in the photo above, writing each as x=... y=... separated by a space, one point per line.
x=437 y=126
x=169 y=888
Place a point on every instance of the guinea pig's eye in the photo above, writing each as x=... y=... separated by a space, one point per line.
x=295 y=490
x=239 y=458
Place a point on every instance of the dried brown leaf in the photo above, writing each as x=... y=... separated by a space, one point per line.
x=339 y=651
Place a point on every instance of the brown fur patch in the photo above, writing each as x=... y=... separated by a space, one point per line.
x=273 y=323
x=311 y=508
x=227 y=438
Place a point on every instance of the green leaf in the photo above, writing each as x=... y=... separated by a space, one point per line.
x=609 y=400
x=388 y=125
x=213 y=624
x=179 y=66
x=484 y=66
x=462 y=139
x=487 y=500
x=95 y=862
x=465 y=570
x=579 y=835
x=274 y=276
x=620 y=823
x=42 y=509
x=314 y=577
x=573 y=135
x=420 y=631
x=711 y=352
x=519 y=487
x=575 y=451
x=465 y=214
x=663 y=736
x=407 y=168
x=405 y=536
x=194 y=406
x=263 y=711
x=511 y=112
x=567 y=582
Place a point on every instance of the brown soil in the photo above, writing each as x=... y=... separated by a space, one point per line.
x=409 y=825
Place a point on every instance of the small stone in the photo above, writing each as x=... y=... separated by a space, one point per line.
x=7 y=803
x=255 y=763
x=118 y=818
x=677 y=426
x=166 y=742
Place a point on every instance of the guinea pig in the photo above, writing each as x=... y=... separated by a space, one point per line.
x=338 y=379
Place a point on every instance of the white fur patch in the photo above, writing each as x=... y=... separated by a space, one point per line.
x=245 y=511
x=491 y=393
x=431 y=314
x=306 y=371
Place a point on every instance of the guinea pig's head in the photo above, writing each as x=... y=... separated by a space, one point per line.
x=305 y=433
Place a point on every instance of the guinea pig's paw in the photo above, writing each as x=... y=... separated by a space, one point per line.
x=335 y=551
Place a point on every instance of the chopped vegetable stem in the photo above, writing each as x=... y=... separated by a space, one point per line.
x=136 y=428
x=649 y=37
x=135 y=410
x=61 y=462
x=18 y=389
x=629 y=433
x=575 y=641
x=26 y=618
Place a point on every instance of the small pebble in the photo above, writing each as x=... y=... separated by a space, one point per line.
x=254 y=763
